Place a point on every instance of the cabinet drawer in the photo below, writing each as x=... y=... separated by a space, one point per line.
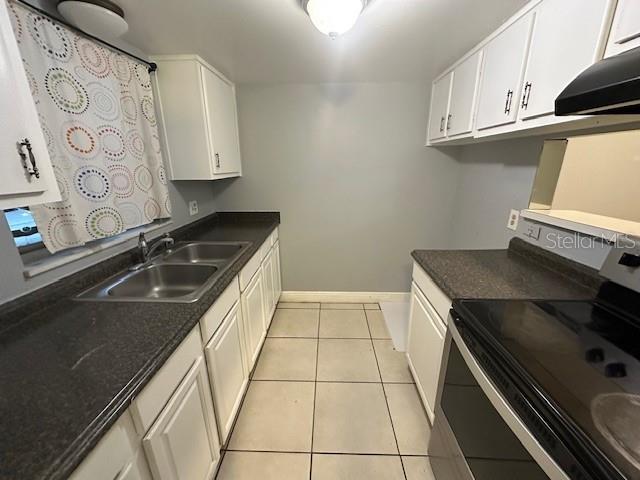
x=146 y=406
x=265 y=248
x=111 y=457
x=436 y=297
x=249 y=270
x=211 y=320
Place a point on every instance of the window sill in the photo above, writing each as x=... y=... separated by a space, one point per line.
x=607 y=228
x=39 y=266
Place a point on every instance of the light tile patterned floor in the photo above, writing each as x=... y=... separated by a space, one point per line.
x=330 y=399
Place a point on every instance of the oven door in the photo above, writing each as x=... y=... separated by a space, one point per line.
x=476 y=434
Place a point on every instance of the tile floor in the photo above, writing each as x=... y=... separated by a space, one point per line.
x=329 y=399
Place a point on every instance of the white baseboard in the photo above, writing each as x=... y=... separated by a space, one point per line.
x=344 y=297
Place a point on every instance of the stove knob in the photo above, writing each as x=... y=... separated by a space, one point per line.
x=615 y=370
x=595 y=355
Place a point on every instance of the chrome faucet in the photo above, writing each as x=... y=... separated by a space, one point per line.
x=146 y=250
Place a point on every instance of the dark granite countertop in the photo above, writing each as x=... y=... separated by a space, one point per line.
x=69 y=369
x=523 y=271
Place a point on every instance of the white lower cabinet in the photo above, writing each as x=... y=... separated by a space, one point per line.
x=425 y=342
x=183 y=443
x=277 y=272
x=253 y=314
x=136 y=469
x=227 y=370
x=117 y=456
x=174 y=428
x=268 y=277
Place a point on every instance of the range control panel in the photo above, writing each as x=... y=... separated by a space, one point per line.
x=622 y=266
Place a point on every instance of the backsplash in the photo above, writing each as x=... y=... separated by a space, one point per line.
x=575 y=246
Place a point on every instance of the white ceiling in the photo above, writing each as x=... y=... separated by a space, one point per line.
x=273 y=41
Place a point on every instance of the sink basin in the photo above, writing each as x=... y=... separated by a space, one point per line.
x=163 y=281
x=156 y=283
x=181 y=275
x=203 y=252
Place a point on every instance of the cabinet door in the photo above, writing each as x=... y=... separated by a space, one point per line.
x=439 y=107
x=136 y=469
x=580 y=27
x=269 y=288
x=625 y=32
x=220 y=101
x=183 y=443
x=227 y=370
x=504 y=61
x=424 y=347
x=277 y=272
x=19 y=122
x=463 y=96
x=253 y=316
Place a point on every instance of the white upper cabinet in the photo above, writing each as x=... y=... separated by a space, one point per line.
x=440 y=107
x=199 y=119
x=220 y=101
x=504 y=62
x=525 y=64
x=27 y=175
x=463 y=96
x=625 y=32
x=568 y=36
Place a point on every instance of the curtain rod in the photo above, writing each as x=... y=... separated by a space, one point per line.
x=152 y=66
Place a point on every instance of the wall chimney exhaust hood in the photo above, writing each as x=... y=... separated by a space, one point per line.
x=611 y=86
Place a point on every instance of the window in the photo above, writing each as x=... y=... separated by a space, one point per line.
x=23 y=227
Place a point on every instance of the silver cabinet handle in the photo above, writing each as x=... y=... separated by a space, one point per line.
x=441 y=124
x=449 y=122
x=218 y=160
x=28 y=159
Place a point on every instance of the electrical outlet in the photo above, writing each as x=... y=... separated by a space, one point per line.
x=533 y=231
x=193 y=207
x=514 y=216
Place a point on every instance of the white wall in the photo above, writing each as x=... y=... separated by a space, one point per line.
x=346 y=166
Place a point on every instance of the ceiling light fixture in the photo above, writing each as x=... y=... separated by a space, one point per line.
x=334 y=17
x=100 y=18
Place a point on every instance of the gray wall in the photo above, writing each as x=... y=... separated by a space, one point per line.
x=346 y=166
x=494 y=178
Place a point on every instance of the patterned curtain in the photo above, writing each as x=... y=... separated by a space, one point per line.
x=97 y=115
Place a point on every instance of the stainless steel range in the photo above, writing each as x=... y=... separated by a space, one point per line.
x=543 y=389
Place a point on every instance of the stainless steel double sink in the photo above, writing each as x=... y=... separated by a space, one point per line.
x=182 y=274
